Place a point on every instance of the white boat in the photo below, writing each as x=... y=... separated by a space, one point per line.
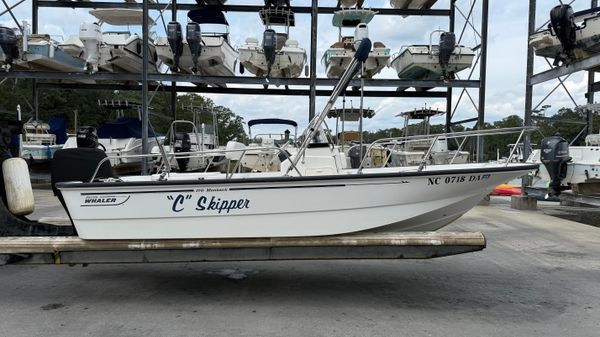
x=35 y=52
x=312 y=195
x=338 y=56
x=263 y=153
x=115 y=51
x=277 y=55
x=202 y=52
x=433 y=62
x=187 y=150
x=429 y=150
x=569 y=36
x=412 y=4
x=38 y=144
x=121 y=139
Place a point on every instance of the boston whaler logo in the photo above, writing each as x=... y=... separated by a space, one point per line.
x=208 y=203
x=104 y=200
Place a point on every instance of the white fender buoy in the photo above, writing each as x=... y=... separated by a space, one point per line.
x=19 y=194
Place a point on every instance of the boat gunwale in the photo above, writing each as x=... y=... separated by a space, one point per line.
x=275 y=179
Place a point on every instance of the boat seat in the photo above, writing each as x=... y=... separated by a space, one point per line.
x=378 y=44
x=252 y=41
x=291 y=43
x=337 y=45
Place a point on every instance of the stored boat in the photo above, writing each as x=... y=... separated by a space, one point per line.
x=570 y=36
x=433 y=62
x=277 y=56
x=431 y=150
x=116 y=51
x=263 y=153
x=202 y=52
x=38 y=145
x=312 y=194
x=337 y=58
x=412 y=4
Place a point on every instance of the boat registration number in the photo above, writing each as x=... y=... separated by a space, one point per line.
x=456 y=179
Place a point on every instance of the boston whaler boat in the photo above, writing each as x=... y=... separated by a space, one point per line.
x=278 y=56
x=313 y=194
x=569 y=36
x=433 y=62
x=337 y=58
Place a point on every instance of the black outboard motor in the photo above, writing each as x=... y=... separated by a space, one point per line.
x=194 y=40
x=555 y=156
x=562 y=23
x=8 y=43
x=87 y=137
x=355 y=155
x=175 y=38
x=270 y=48
x=447 y=45
x=182 y=144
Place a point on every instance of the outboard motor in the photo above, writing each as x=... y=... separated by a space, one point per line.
x=182 y=144
x=87 y=137
x=91 y=37
x=562 y=23
x=194 y=40
x=8 y=43
x=447 y=45
x=555 y=156
x=360 y=32
x=175 y=38
x=269 y=45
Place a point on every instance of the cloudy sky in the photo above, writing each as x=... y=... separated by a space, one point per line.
x=506 y=56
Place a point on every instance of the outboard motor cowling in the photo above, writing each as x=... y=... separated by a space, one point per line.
x=8 y=43
x=269 y=47
x=555 y=156
x=183 y=143
x=175 y=38
x=87 y=137
x=194 y=40
x=447 y=45
x=562 y=23
x=361 y=32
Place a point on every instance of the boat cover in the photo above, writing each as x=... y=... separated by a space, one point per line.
x=208 y=16
x=125 y=127
x=272 y=121
x=352 y=17
x=58 y=127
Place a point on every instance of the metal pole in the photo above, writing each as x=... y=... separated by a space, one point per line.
x=145 y=86
x=482 y=76
x=174 y=84
x=527 y=121
x=449 y=90
x=314 y=16
x=590 y=91
x=34 y=30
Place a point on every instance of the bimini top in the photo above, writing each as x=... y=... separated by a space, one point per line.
x=421 y=113
x=121 y=16
x=208 y=16
x=253 y=122
x=352 y=17
x=124 y=127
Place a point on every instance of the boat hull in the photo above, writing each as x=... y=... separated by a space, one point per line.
x=416 y=63
x=289 y=62
x=268 y=205
x=337 y=60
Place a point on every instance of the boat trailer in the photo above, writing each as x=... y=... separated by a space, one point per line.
x=73 y=250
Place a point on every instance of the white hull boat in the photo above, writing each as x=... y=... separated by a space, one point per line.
x=584 y=26
x=312 y=195
x=271 y=205
x=277 y=56
x=337 y=57
x=412 y=4
x=432 y=62
x=38 y=144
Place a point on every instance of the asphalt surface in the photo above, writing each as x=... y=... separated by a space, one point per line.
x=539 y=276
